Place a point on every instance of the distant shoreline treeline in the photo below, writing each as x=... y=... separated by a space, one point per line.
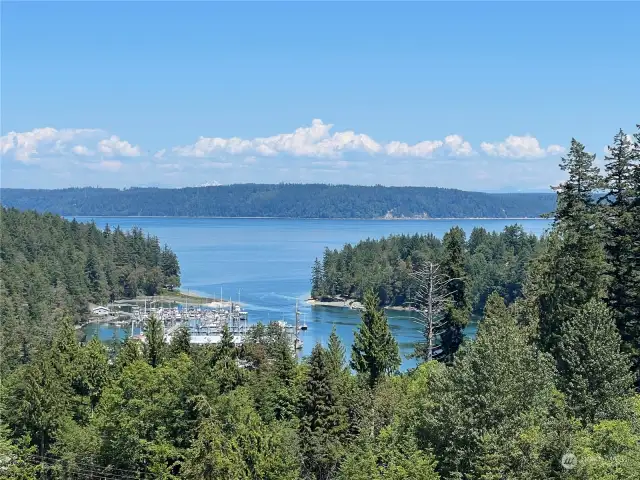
x=282 y=201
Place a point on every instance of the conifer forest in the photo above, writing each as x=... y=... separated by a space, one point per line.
x=548 y=388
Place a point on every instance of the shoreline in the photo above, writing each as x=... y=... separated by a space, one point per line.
x=351 y=304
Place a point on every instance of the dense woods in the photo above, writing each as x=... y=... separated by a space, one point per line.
x=491 y=261
x=545 y=390
x=52 y=267
x=283 y=200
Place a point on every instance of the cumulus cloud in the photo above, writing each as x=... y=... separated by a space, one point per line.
x=318 y=141
x=525 y=146
x=458 y=146
x=29 y=147
x=81 y=151
x=115 y=147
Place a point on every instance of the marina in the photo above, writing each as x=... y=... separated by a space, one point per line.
x=205 y=322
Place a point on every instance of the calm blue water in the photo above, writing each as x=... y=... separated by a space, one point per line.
x=267 y=264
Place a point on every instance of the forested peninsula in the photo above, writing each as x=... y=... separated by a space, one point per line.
x=548 y=389
x=52 y=267
x=490 y=261
x=282 y=201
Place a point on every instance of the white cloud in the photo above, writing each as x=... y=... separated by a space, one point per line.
x=115 y=147
x=458 y=146
x=82 y=151
x=29 y=147
x=422 y=149
x=317 y=141
x=525 y=146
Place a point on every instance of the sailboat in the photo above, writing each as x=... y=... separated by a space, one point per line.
x=304 y=324
x=297 y=343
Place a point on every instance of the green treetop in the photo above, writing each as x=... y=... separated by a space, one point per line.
x=374 y=351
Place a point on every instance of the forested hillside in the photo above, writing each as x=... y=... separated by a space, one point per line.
x=51 y=267
x=547 y=390
x=493 y=262
x=283 y=200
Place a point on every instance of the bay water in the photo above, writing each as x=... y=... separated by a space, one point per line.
x=266 y=265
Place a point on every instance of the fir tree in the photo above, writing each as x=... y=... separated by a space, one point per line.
x=573 y=267
x=495 y=406
x=94 y=371
x=129 y=353
x=316 y=279
x=283 y=375
x=456 y=315
x=322 y=421
x=154 y=345
x=623 y=296
x=225 y=367
x=181 y=341
x=594 y=373
x=374 y=350
x=335 y=353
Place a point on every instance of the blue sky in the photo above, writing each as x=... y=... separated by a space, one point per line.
x=478 y=96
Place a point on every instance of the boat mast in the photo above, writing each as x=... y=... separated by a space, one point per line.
x=297 y=325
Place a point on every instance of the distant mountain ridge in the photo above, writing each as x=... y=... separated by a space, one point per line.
x=282 y=201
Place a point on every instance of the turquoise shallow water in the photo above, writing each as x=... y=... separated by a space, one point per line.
x=267 y=263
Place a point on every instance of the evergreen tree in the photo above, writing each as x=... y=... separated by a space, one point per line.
x=335 y=354
x=595 y=376
x=495 y=412
x=322 y=421
x=94 y=371
x=224 y=360
x=226 y=349
x=283 y=375
x=457 y=313
x=374 y=350
x=39 y=402
x=96 y=277
x=16 y=459
x=573 y=270
x=316 y=279
x=154 y=345
x=181 y=341
x=623 y=296
x=130 y=352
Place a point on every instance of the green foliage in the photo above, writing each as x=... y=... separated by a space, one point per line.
x=180 y=341
x=595 y=376
x=495 y=413
x=388 y=456
x=374 y=352
x=322 y=420
x=16 y=459
x=490 y=261
x=457 y=313
x=573 y=266
x=610 y=450
x=154 y=346
x=52 y=268
x=336 y=354
x=621 y=209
